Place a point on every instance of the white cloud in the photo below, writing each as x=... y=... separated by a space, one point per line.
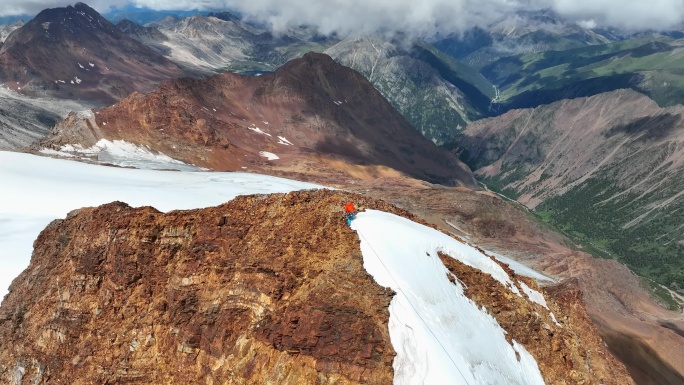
x=413 y=16
x=588 y=24
x=361 y=16
x=629 y=14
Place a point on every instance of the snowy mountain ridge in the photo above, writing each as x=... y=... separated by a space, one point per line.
x=437 y=331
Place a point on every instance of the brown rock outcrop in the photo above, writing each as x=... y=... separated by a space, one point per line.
x=263 y=289
x=567 y=352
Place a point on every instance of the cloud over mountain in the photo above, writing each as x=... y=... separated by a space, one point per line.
x=415 y=17
x=628 y=14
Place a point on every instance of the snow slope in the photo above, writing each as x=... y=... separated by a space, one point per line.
x=441 y=336
x=122 y=153
x=35 y=190
x=521 y=269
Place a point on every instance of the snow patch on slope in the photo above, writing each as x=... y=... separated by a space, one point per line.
x=521 y=269
x=534 y=295
x=439 y=334
x=258 y=130
x=283 y=140
x=122 y=153
x=269 y=155
x=538 y=298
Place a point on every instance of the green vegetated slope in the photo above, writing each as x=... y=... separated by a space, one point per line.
x=653 y=66
x=436 y=93
x=528 y=43
x=607 y=170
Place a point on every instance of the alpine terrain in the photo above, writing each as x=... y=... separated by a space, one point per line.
x=311 y=117
x=437 y=94
x=74 y=53
x=608 y=170
x=6 y=29
x=650 y=65
x=220 y=42
x=68 y=59
x=177 y=188
x=526 y=32
x=274 y=288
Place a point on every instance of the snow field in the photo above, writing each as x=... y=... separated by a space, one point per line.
x=122 y=153
x=269 y=155
x=441 y=336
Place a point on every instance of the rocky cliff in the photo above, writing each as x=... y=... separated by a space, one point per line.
x=262 y=289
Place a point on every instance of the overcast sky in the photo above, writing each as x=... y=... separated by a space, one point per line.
x=412 y=16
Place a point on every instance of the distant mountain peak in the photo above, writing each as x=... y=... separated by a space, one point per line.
x=75 y=52
x=310 y=107
x=75 y=19
x=226 y=16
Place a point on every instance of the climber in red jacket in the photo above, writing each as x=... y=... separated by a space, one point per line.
x=349 y=211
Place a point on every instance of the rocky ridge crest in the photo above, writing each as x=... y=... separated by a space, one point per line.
x=260 y=289
x=311 y=109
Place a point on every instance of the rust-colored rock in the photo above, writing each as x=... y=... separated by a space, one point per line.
x=263 y=289
x=318 y=117
x=260 y=290
x=568 y=352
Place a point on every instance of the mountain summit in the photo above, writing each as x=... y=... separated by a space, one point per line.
x=278 y=289
x=73 y=52
x=311 y=116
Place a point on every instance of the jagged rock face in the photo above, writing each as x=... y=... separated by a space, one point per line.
x=75 y=44
x=610 y=167
x=263 y=289
x=319 y=107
